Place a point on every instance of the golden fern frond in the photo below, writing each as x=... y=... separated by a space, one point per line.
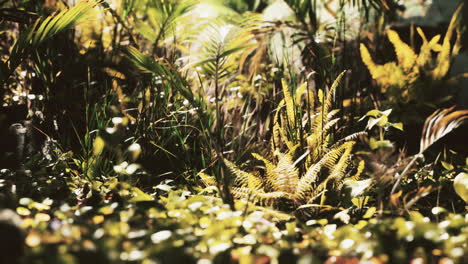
x=300 y=91
x=320 y=190
x=332 y=113
x=269 y=171
x=305 y=185
x=366 y=57
x=285 y=140
x=322 y=119
x=374 y=69
x=339 y=184
x=351 y=137
x=288 y=100
x=405 y=54
x=279 y=131
x=338 y=171
x=207 y=180
x=318 y=143
x=457 y=45
x=425 y=56
x=444 y=57
x=329 y=100
x=264 y=198
x=275 y=143
x=387 y=75
x=341 y=151
x=286 y=174
x=244 y=179
x=439 y=124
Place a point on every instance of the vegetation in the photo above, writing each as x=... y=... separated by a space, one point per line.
x=198 y=131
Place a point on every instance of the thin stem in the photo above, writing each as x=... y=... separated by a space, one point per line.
x=399 y=177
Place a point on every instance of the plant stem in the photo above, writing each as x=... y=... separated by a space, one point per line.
x=399 y=177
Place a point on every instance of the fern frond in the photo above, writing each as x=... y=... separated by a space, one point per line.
x=318 y=143
x=405 y=54
x=275 y=143
x=269 y=171
x=286 y=174
x=338 y=170
x=351 y=137
x=425 y=56
x=444 y=57
x=299 y=92
x=284 y=137
x=374 y=69
x=263 y=198
x=387 y=75
x=355 y=178
x=322 y=119
x=305 y=185
x=244 y=179
x=329 y=100
x=288 y=101
x=207 y=180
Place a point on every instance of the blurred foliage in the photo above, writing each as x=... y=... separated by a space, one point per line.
x=201 y=131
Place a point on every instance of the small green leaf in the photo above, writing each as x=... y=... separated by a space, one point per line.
x=140 y=196
x=373 y=113
x=98 y=146
x=370 y=212
x=383 y=121
x=398 y=126
x=375 y=144
x=360 y=202
x=447 y=165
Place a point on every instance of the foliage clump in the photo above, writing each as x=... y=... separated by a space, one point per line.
x=199 y=131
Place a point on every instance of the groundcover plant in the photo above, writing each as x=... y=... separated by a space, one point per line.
x=233 y=131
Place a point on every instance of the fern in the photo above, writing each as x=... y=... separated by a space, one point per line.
x=445 y=56
x=406 y=79
x=281 y=181
x=405 y=55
